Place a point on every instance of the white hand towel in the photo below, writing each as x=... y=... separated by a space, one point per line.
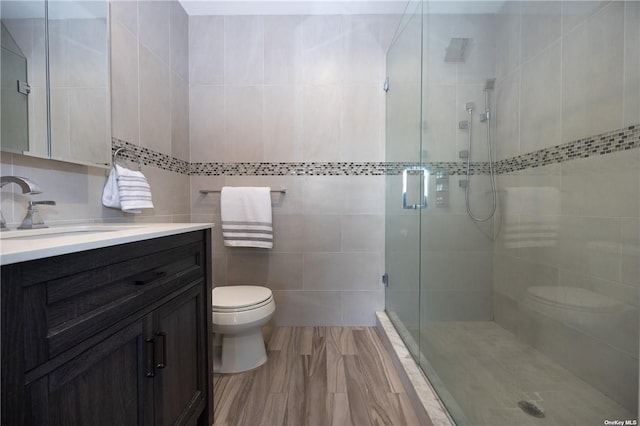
x=133 y=190
x=246 y=217
x=130 y=186
x=110 y=196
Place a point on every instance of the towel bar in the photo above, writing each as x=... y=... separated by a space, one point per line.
x=207 y=191
x=133 y=154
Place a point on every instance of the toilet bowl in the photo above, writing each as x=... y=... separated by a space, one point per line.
x=239 y=312
x=573 y=306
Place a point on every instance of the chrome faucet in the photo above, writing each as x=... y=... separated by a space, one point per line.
x=27 y=186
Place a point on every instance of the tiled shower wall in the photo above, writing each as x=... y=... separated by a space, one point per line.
x=296 y=89
x=450 y=291
x=568 y=70
x=149 y=63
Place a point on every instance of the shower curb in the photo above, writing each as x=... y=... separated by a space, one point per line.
x=424 y=398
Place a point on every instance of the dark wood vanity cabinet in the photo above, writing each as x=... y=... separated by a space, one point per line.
x=113 y=336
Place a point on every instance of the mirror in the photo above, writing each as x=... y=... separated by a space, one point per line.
x=68 y=100
x=15 y=125
x=24 y=115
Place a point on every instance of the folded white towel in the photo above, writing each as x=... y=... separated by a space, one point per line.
x=246 y=217
x=127 y=190
x=134 y=190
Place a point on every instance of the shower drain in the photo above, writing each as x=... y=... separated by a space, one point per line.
x=531 y=409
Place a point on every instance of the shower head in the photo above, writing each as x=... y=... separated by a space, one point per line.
x=490 y=84
x=456 y=50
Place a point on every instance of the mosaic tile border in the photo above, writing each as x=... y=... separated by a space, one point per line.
x=605 y=143
x=327 y=169
x=149 y=157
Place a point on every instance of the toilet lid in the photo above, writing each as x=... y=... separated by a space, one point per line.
x=573 y=297
x=239 y=296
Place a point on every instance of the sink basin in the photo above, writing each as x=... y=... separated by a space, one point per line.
x=62 y=231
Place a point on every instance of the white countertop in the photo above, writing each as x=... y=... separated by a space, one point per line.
x=24 y=245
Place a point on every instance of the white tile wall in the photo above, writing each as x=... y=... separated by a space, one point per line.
x=632 y=63
x=297 y=88
x=360 y=112
x=206 y=123
x=179 y=41
x=282 y=50
x=206 y=41
x=282 y=123
x=599 y=107
x=541 y=25
x=180 y=147
x=243 y=50
x=326 y=253
x=541 y=100
x=154 y=28
x=124 y=79
x=155 y=102
x=243 y=123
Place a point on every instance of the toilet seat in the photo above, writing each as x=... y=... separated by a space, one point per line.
x=240 y=298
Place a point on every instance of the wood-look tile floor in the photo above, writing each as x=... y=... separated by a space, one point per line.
x=316 y=376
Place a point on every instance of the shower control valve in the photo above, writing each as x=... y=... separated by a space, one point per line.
x=463 y=125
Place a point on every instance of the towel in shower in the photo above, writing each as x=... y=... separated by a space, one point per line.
x=246 y=217
x=127 y=190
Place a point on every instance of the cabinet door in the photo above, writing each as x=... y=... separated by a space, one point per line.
x=105 y=385
x=179 y=329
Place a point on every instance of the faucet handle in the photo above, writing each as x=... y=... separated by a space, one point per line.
x=33 y=220
x=47 y=202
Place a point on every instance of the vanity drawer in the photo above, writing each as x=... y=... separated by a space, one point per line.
x=67 y=300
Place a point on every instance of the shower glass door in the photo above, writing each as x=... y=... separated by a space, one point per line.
x=530 y=316
x=403 y=146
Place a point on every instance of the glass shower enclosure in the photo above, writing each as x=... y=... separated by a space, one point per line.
x=530 y=314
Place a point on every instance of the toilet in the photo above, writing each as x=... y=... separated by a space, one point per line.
x=239 y=312
x=574 y=306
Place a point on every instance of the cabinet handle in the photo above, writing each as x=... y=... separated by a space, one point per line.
x=151 y=355
x=148 y=276
x=163 y=361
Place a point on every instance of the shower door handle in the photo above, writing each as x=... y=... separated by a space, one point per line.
x=424 y=173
